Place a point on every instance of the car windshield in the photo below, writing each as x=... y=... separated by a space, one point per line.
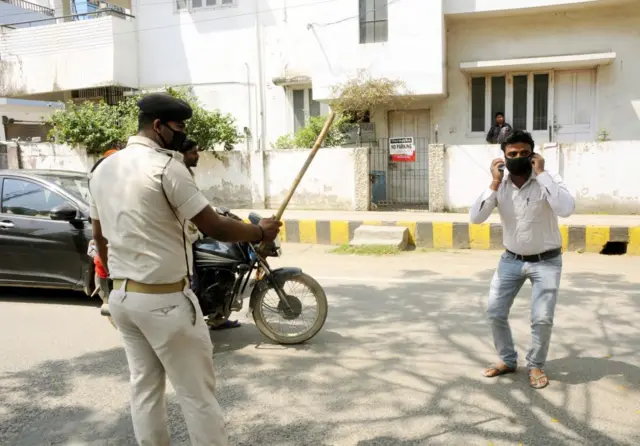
x=76 y=185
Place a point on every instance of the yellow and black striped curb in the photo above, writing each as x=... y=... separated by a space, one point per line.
x=445 y=235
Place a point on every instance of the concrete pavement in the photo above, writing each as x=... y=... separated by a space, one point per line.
x=398 y=363
x=581 y=233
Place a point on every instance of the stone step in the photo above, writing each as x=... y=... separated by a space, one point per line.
x=394 y=236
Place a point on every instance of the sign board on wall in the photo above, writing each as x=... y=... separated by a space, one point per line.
x=402 y=149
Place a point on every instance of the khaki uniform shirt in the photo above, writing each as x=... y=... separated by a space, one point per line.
x=192 y=230
x=147 y=239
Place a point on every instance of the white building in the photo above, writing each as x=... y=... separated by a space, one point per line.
x=53 y=51
x=563 y=69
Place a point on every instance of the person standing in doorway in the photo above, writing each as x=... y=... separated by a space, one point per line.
x=142 y=198
x=499 y=130
x=529 y=201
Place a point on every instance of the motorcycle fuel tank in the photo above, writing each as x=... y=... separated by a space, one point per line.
x=210 y=252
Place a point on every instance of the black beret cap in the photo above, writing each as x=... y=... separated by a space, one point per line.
x=164 y=107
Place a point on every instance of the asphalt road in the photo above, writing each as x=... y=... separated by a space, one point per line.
x=398 y=363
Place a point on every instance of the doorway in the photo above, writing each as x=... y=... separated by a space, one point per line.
x=402 y=181
x=574 y=105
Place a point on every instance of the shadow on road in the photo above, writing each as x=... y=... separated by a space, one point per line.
x=47 y=296
x=401 y=346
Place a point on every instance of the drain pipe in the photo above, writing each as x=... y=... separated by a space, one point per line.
x=263 y=118
x=249 y=116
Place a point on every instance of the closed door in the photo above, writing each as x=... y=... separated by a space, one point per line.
x=37 y=250
x=408 y=182
x=574 y=105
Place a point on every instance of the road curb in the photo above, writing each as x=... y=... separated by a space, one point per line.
x=454 y=235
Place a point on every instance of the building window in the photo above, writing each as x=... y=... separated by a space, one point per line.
x=305 y=107
x=519 y=115
x=498 y=94
x=540 y=101
x=28 y=199
x=478 y=98
x=523 y=98
x=374 y=23
x=190 y=5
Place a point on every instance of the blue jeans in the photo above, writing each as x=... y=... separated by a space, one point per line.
x=505 y=285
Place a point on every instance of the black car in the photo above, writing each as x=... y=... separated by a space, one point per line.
x=45 y=230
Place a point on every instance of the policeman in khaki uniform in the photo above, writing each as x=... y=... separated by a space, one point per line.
x=142 y=199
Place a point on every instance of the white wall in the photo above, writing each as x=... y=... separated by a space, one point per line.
x=328 y=184
x=414 y=52
x=226 y=181
x=217 y=51
x=475 y=6
x=65 y=56
x=603 y=176
x=212 y=50
x=55 y=156
x=577 y=32
x=301 y=38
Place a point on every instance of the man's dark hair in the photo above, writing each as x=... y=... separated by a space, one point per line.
x=144 y=121
x=188 y=145
x=518 y=136
x=499 y=114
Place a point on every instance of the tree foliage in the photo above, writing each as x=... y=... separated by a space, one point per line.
x=364 y=94
x=100 y=127
x=354 y=100
x=307 y=135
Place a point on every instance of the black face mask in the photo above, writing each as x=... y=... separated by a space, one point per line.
x=177 y=142
x=520 y=167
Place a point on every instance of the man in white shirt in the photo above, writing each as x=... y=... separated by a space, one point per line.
x=142 y=198
x=529 y=201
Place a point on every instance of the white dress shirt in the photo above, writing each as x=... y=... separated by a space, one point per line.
x=147 y=241
x=529 y=214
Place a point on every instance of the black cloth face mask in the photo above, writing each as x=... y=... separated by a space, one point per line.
x=177 y=141
x=520 y=167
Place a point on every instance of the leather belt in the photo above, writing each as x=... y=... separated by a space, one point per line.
x=538 y=257
x=150 y=288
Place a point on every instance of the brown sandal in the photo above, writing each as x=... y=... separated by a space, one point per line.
x=534 y=381
x=494 y=371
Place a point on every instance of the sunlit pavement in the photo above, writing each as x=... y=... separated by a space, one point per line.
x=399 y=362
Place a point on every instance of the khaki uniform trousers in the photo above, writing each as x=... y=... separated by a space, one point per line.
x=160 y=337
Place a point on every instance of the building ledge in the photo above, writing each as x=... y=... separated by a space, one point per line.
x=290 y=81
x=27 y=104
x=575 y=61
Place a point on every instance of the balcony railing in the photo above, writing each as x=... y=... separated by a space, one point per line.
x=69 y=18
x=28 y=6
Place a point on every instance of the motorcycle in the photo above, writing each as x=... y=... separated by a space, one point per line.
x=224 y=271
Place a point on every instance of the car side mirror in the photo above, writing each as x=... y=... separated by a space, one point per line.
x=64 y=212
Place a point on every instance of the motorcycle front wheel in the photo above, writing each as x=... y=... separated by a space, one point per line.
x=292 y=325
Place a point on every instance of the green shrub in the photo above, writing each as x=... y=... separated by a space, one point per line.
x=99 y=126
x=307 y=135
